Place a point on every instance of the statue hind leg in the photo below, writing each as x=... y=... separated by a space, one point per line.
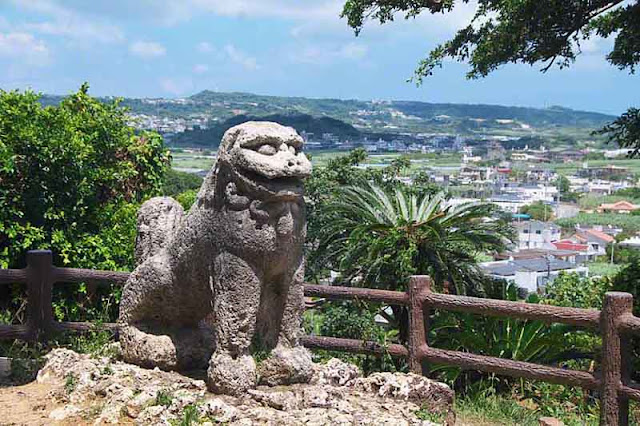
x=152 y=332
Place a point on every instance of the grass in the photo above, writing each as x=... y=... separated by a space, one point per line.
x=70 y=382
x=604 y=269
x=627 y=222
x=502 y=410
x=419 y=161
x=190 y=416
x=163 y=397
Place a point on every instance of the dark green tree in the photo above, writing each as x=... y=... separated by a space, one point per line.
x=538 y=211
x=66 y=172
x=547 y=32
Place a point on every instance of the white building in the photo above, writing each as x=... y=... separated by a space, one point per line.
x=531 y=275
x=536 y=234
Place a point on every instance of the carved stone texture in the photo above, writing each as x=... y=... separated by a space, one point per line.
x=225 y=281
x=158 y=219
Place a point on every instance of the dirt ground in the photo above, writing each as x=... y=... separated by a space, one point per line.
x=31 y=404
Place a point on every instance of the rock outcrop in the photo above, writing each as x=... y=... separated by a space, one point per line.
x=108 y=391
x=224 y=281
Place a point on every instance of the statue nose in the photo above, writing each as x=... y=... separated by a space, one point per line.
x=299 y=166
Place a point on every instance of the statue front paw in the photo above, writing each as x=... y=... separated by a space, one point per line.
x=231 y=376
x=286 y=366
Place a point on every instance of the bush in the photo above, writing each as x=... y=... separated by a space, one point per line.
x=71 y=179
x=572 y=290
x=187 y=198
x=353 y=320
x=628 y=280
x=66 y=170
x=176 y=182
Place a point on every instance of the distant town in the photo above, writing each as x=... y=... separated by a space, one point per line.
x=573 y=199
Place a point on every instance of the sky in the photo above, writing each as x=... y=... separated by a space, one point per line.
x=175 y=48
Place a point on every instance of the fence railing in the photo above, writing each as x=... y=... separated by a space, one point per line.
x=615 y=323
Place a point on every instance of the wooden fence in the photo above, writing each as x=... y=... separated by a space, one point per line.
x=615 y=323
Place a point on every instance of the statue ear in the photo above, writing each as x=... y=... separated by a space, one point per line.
x=207 y=194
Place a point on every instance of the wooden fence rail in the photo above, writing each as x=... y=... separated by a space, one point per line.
x=615 y=323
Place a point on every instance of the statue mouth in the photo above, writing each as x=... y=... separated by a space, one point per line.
x=284 y=187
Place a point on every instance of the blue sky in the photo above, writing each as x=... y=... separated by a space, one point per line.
x=172 y=48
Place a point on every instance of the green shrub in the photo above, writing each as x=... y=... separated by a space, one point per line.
x=65 y=170
x=176 y=182
x=72 y=177
x=187 y=198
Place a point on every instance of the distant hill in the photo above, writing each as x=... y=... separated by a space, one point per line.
x=347 y=117
x=211 y=136
x=409 y=110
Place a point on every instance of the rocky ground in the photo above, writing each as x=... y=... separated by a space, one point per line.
x=80 y=389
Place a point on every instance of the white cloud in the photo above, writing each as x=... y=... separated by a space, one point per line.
x=74 y=29
x=205 y=47
x=353 y=50
x=329 y=53
x=68 y=22
x=200 y=68
x=239 y=57
x=289 y=9
x=171 y=12
x=24 y=46
x=176 y=86
x=147 y=49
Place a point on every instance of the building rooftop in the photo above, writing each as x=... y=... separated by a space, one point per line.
x=534 y=253
x=535 y=225
x=510 y=267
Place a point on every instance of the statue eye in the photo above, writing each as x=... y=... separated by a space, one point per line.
x=267 y=149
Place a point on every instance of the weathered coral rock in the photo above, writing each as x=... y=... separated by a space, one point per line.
x=286 y=366
x=108 y=391
x=335 y=372
x=158 y=219
x=408 y=387
x=227 y=276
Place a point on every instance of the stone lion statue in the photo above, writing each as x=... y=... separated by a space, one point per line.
x=224 y=281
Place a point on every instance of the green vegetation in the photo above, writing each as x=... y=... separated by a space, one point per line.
x=604 y=269
x=67 y=171
x=190 y=416
x=383 y=237
x=176 y=182
x=73 y=176
x=211 y=136
x=629 y=223
x=163 y=397
x=538 y=211
x=628 y=280
x=70 y=382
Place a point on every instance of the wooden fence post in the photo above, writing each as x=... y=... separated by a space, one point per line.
x=418 y=286
x=39 y=293
x=614 y=410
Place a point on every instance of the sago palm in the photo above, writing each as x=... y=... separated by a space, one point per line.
x=380 y=237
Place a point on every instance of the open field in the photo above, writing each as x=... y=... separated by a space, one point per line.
x=570 y=168
x=191 y=161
